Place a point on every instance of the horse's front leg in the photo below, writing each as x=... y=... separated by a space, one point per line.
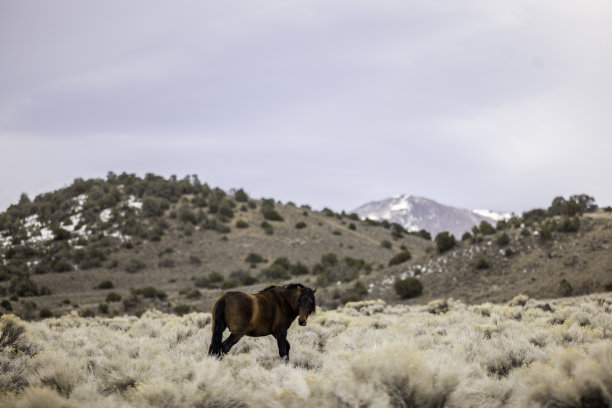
x=283 y=345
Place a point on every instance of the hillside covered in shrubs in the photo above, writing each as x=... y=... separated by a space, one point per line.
x=560 y=251
x=124 y=244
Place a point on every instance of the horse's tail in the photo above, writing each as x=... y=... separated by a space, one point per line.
x=219 y=326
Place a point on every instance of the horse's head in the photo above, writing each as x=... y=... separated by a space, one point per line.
x=305 y=304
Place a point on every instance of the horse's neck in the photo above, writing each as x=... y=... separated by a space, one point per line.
x=288 y=302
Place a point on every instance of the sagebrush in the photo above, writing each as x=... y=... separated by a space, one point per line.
x=521 y=354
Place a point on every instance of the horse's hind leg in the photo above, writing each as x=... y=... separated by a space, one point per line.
x=219 y=326
x=229 y=342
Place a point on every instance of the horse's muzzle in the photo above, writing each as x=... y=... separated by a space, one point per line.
x=302 y=322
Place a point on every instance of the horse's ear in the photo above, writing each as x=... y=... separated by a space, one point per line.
x=314 y=290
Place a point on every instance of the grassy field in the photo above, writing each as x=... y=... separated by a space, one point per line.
x=520 y=354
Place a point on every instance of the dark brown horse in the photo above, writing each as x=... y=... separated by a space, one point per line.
x=271 y=311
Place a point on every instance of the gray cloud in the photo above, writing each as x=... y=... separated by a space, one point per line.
x=331 y=103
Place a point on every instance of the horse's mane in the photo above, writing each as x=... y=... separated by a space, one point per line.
x=288 y=287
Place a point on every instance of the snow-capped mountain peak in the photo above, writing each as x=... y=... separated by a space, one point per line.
x=415 y=213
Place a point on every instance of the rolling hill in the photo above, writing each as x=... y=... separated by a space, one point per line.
x=168 y=243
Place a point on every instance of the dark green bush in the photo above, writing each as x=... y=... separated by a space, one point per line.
x=569 y=224
x=229 y=284
x=271 y=214
x=254 y=258
x=167 y=263
x=501 y=225
x=103 y=308
x=508 y=252
x=204 y=282
x=186 y=215
x=586 y=202
x=45 y=313
x=154 y=206
x=90 y=257
x=242 y=224
x=353 y=216
x=533 y=216
x=561 y=206
x=244 y=277
x=299 y=269
x=300 y=225
x=113 y=297
x=61 y=265
x=194 y=260
x=466 y=235
x=445 y=241
x=22 y=285
x=282 y=262
x=193 y=294
x=268 y=211
x=352 y=227
x=482 y=263
x=241 y=196
x=503 y=239
x=182 y=309
x=565 y=288
x=269 y=230
x=422 y=234
x=60 y=234
x=408 y=288
x=485 y=228
x=355 y=294
x=199 y=201
x=401 y=257
x=150 y=292
x=106 y=284
x=274 y=272
x=525 y=232
x=397 y=231
x=215 y=225
x=607 y=287
x=327 y=212
x=329 y=259
x=135 y=265
x=545 y=233
x=215 y=277
x=226 y=211
x=6 y=304
x=386 y=244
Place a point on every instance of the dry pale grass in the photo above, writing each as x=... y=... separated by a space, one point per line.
x=446 y=354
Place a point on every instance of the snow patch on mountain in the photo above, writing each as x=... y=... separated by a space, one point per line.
x=493 y=215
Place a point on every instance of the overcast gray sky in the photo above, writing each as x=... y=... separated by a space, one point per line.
x=332 y=103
